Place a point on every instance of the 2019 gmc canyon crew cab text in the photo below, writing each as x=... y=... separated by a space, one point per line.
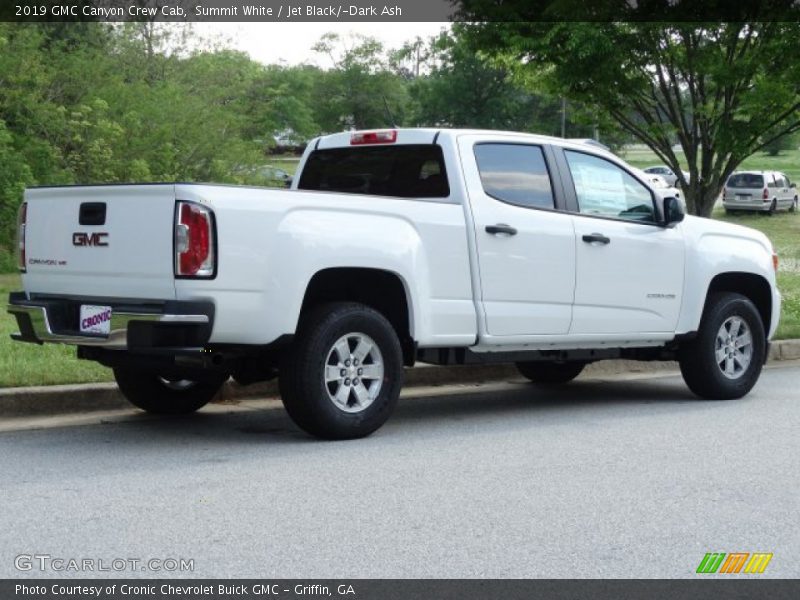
x=392 y=246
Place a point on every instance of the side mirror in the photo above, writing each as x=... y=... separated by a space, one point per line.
x=673 y=211
x=792 y=185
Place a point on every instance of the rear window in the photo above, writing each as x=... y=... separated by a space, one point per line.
x=746 y=180
x=407 y=171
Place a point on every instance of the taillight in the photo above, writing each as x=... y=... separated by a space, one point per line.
x=22 y=220
x=374 y=137
x=194 y=241
x=765 y=195
x=775 y=261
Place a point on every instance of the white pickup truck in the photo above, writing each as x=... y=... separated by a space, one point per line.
x=393 y=246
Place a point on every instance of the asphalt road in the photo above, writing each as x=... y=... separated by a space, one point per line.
x=627 y=478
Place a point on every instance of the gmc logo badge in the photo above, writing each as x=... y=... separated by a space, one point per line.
x=89 y=239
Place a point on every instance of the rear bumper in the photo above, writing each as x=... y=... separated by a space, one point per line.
x=760 y=206
x=134 y=325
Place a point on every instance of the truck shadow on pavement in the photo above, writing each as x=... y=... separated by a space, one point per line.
x=591 y=397
x=521 y=404
x=420 y=414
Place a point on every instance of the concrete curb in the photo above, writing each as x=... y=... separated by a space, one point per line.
x=784 y=350
x=87 y=398
x=94 y=397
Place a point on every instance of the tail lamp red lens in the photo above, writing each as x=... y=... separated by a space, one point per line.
x=388 y=136
x=22 y=220
x=194 y=241
x=765 y=195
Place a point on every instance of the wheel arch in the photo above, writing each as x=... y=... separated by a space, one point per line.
x=751 y=285
x=385 y=291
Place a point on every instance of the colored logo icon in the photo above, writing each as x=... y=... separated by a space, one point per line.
x=734 y=562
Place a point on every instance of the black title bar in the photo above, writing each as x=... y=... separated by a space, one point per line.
x=286 y=11
x=669 y=11
x=733 y=588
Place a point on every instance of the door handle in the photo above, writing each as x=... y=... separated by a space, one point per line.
x=596 y=237
x=501 y=228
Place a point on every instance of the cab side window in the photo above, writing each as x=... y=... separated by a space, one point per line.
x=606 y=190
x=515 y=173
x=772 y=180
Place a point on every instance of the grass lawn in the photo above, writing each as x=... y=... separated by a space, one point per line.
x=29 y=364
x=288 y=164
x=787 y=161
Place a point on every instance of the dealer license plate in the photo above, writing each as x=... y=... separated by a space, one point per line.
x=95 y=319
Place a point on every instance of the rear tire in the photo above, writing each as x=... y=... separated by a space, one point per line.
x=773 y=208
x=724 y=361
x=342 y=376
x=155 y=394
x=550 y=373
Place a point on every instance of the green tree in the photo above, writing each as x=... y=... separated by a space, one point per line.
x=184 y=118
x=355 y=93
x=15 y=175
x=279 y=102
x=778 y=145
x=721 y=91
x=90 y=103
x=466 y=89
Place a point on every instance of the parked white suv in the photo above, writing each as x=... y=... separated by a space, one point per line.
x=764 y=191
x=393 y=246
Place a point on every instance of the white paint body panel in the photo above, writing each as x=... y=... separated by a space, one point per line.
x=715 y=247
x=645 y=262
x=527 y=281
x=272 y=242
x=542 y=289
x=137 y=263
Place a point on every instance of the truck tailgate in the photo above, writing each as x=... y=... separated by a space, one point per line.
x=111 y=241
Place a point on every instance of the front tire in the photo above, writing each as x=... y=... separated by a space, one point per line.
x=160 y=395
x=550 y=373
x=342 y=376
x=724 y=361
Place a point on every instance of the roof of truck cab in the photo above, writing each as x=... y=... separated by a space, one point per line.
x=430 y=135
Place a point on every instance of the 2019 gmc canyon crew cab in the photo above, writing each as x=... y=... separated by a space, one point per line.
x=392 y=246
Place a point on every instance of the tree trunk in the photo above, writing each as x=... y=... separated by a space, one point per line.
x=701 y=198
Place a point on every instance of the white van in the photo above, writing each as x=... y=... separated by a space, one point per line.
x=766 y=191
